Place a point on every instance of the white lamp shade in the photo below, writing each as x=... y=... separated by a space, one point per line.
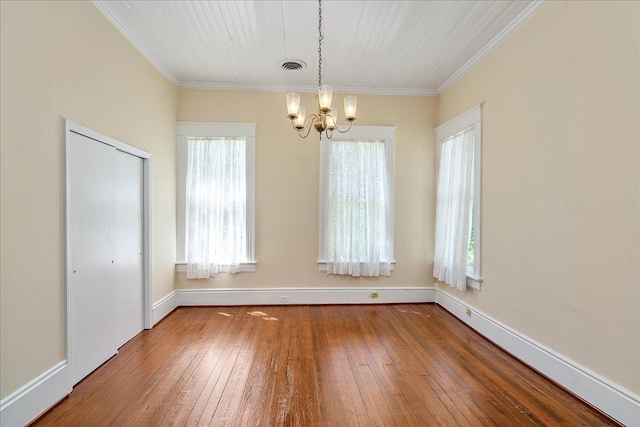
x=325 y=92
x=350 y=106
x=331 y=122
x=298 y=122
x=293 y=102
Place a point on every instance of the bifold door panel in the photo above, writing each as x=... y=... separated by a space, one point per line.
x=93 y=276
x=105 y=217
x=128 y=245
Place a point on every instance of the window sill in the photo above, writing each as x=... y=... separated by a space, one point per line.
x=323 y=266
x=474 y=282
x=245 y=267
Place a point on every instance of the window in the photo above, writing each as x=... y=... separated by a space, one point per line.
x=216 y=216
x=356 y=209
x=457 y=253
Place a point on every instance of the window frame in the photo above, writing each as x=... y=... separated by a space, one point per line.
x=371 y=133
x=469 y=118
x=214 y=130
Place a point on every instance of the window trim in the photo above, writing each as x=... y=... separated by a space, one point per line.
x=471 y=117
x=214 y=129
x=378 y=133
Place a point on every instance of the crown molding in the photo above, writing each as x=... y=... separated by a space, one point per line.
x=103 y=6
x=523 y=17
x=309 y=89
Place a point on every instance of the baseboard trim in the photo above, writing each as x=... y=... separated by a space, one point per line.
x=36 y=397
x=165 y=306
x=618 y=403
x=289 y=296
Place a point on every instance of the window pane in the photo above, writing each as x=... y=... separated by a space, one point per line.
x=357 y=202
x=455 y=246
x=216 y=200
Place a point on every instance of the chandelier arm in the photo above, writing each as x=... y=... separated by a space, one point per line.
x=306 y=135
x=312 y=118
x=308 y=122
x=345 y=131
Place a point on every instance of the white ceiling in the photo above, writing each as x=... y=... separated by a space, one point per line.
x=393 y=47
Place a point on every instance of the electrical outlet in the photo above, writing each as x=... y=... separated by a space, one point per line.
x=284 y=298
x=373 y=294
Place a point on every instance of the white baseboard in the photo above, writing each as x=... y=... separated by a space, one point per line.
x=610 y=398
x=288 y=296
x=285 y=296
x=36 y=397
x=165 y=306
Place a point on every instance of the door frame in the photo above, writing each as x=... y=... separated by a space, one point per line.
x=73 y=127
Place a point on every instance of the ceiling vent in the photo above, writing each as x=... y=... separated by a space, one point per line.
x=292 y=65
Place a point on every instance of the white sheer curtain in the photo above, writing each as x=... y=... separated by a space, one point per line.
x=357 y=223
x=453 y=209
x=215 y=206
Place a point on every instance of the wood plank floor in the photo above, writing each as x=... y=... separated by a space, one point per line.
x=367 y=365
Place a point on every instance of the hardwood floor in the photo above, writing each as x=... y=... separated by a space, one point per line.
x=382 y=365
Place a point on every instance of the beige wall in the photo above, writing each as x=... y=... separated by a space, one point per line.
x=65 y=60
x=561 y=183
x=287 y=187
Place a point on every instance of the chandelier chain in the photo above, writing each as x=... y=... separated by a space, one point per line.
x=320 y=38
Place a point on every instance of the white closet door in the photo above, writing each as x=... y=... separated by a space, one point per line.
x=92 y=287
x=128 y=245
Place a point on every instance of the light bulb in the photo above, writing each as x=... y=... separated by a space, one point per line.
x=331 y=123
x=350 y=106
x=293 y=102
x=325 y=92
x=298 y=121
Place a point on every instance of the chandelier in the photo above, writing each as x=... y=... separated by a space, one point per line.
x=323 y=120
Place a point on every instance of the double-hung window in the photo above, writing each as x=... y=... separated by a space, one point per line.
x=457 y=237
x=215 y=232
x=356 y=209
